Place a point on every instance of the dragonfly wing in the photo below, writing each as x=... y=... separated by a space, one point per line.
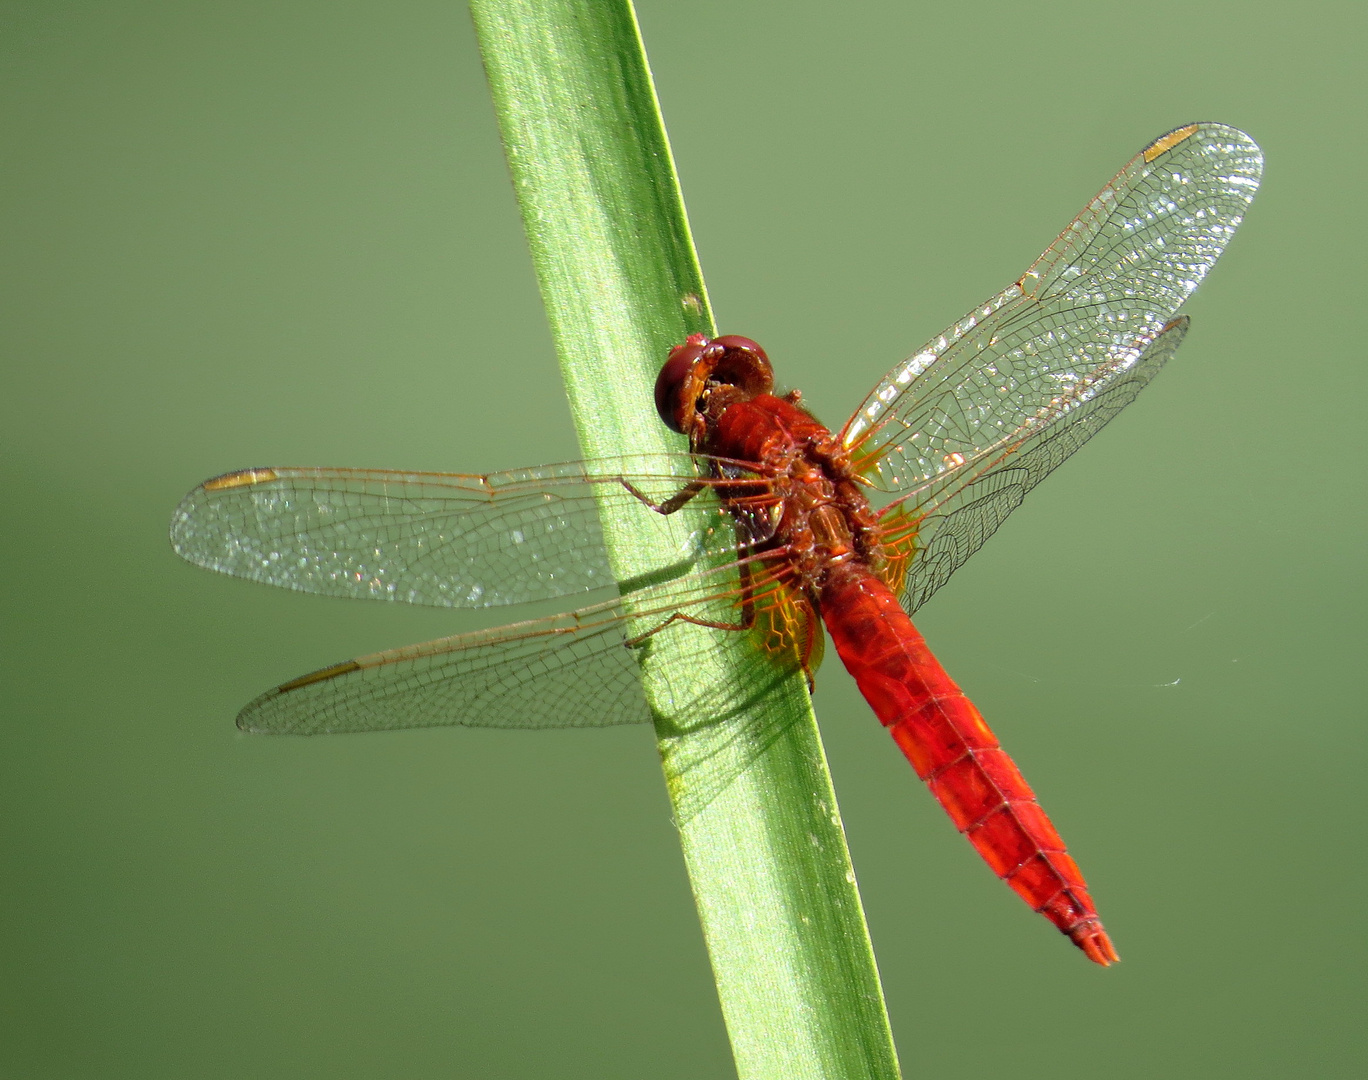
x=443 y=539
x=551 y=673
x=579 y=669
x=1077 y=320
x=964 y=511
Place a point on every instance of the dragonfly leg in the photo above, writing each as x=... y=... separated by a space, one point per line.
x=747 y=613
x=679 y=616
x=670 y=505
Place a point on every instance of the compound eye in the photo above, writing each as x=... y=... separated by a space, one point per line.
x=675 y=383
x=744 y=364
x=741 y=344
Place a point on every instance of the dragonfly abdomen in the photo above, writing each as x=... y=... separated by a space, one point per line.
x=951 y=747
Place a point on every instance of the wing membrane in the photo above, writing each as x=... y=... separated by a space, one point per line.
x=1077 y=321
x=960 y=515
x=443 y=539
x=579 y=669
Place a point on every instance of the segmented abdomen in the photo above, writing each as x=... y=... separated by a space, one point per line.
x=953 y=750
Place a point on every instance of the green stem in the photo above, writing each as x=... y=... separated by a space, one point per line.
x=752 y=796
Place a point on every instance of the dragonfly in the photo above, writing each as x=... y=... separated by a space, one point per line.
x=791 y=525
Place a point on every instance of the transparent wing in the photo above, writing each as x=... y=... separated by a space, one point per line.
x=579 y=669
x=961 y=512
x=1075 y=322
x=447 y=539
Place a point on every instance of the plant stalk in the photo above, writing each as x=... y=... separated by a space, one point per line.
x=748 y=780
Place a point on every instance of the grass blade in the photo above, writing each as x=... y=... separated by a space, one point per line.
x=757 y=818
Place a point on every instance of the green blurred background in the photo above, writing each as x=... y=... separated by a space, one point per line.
x=281 y=233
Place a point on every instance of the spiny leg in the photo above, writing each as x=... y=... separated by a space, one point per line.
x=673 y=503
x=747 y=613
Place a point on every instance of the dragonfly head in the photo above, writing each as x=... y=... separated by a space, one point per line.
x=702 y=377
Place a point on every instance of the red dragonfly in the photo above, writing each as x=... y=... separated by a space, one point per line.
x=801 y=526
